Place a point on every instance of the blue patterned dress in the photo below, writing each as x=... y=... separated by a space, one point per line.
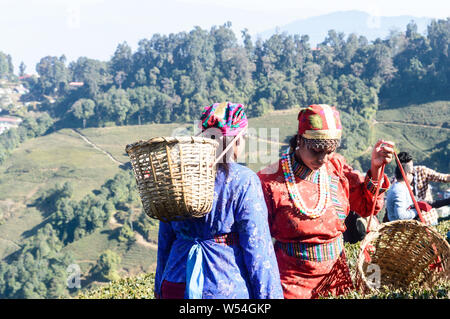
x=229 y=252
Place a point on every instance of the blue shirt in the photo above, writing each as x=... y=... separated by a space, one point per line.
x=247 y=269
x=398 y=202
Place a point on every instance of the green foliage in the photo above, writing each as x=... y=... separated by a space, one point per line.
x=106 y=266
x=114 y=104
x=418 y=129
x=74 y=220
x=441 y=290
x=419 y=64
x=126 y=235
x=140 y=287
x=38 y=269
x=53 y=76
x=169 y=78
x=52 y=198
x=31 y=127
x=121 y=189
x=94 y=75
x=71 y=219
x=356 y=139
x=6 y=66
x=83 y=109
x=145 y=225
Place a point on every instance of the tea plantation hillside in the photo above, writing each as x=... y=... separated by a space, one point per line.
x=94 y=167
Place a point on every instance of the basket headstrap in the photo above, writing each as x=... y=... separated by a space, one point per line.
x=416 y=205
x=228 y=147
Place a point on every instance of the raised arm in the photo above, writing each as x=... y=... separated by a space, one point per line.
x=363 y=188
x=433 y=176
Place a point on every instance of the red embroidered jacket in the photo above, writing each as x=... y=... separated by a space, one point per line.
x=350 y=190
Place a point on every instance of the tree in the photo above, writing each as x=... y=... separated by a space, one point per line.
x=83 y=109
x=6 y=66
x=119 y=78
x=414 y=66
x=122 y=59
x=439 y=39
x=140 y=77
x=93 y=73
x=44 y=123
x=38 y=269
x=53 y=74
x=106 y=266
x=22 y=68
x=49 y=199
x=113 y=105
x=380 y=63
x=237 y=67
x=126 y=235
x=144 y=225
x=248 y=44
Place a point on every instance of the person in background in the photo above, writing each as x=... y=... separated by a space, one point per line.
x=309 y=193
x=398 y=199
x=228 y=253
x=422 y=176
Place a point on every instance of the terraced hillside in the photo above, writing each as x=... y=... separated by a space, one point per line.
x=89 y=157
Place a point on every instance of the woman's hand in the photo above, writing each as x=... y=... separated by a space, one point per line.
x=382 y=153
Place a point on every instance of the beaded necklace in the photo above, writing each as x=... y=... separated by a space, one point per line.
x=324 y=189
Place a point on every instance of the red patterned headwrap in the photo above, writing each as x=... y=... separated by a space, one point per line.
x=319 y=122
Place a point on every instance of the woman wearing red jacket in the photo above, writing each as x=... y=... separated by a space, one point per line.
x=308 y=197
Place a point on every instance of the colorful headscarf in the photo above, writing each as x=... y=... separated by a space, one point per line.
x=228 y=117
x=319 y=122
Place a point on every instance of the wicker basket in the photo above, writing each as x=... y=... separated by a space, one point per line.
x=405 y=252
x=174 y=175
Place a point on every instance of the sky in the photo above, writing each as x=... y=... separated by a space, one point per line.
x=32 y=29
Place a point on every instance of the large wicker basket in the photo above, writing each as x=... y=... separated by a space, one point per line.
x=175 y=176
x=406 y=252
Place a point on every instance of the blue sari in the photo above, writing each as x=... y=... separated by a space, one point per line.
x=229 y=252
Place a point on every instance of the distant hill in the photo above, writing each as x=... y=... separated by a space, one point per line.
x=348 y=22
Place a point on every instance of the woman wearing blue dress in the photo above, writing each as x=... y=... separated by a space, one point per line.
x=229 y=252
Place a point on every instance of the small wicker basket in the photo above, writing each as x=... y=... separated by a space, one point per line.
x=175 y=176
x=405 y=252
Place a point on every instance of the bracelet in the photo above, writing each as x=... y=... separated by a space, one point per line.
x=372 y=185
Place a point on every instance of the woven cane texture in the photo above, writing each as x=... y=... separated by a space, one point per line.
x=174 y=175
x=405 y=252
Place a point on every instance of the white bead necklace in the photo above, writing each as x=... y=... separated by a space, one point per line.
x=324 y=189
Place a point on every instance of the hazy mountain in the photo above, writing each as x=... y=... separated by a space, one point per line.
x=348 y=22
